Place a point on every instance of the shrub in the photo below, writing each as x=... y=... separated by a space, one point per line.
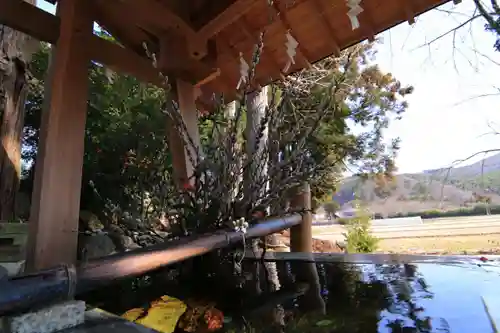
x=358 y=236
x=476 y=210
x=343 y=220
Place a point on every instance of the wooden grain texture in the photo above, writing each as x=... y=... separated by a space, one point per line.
x=321 y=27
x=53 y=225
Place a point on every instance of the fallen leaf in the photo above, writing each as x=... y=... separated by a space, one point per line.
x=324 y=322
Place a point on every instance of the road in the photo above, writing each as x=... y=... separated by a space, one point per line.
x=460 y=226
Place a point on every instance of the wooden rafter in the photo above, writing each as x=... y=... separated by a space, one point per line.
x=409 y=12
x=206 y=11
x=226 y=18
x=154 y=12
x=220 y=22
x=45 y=27
x=223 y=21
x=320 y=10
x=244 y=26
x=224 y=78
x=281 y=17
x=367 y=27
x=176 y=61
x=235 y=54
x=151 y=14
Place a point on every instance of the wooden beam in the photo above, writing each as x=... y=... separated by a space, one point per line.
x=44 y=26
x=206 y=11
x=176 y=62
x=124 y=61
x=149 y=13
x=53 y=226
x=109 y=18
x=244 y=26
x=409 y=12
x=235 y=54
x=155 y=13
x=209 y=78
x=226 y=18
x=281 y=16
x=366 y=23
x=320 y=10
x=29 y=19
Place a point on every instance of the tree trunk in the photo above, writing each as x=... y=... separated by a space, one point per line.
x=257 y=103
x=15 y=89
x=15 y=51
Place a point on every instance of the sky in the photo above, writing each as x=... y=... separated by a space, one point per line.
x=447 y=120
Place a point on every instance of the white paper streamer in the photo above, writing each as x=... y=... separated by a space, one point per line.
x=244 y=69
x=291 y=50
x=354 y=10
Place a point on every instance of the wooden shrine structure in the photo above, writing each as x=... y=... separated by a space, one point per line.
x=197 y=44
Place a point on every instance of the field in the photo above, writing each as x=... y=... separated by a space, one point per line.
x=471 y=244
x=448 y=235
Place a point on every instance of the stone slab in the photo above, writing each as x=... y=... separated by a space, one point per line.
x=51 y=319
x=12 y=268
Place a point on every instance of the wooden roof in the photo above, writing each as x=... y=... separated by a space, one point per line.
x=200 y=40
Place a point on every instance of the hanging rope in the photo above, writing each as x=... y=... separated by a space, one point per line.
x=354 y=10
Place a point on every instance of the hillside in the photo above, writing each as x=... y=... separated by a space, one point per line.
x=487 y=165
x=432 y=189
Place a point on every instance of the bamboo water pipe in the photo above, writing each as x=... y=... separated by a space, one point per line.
x=25 y=292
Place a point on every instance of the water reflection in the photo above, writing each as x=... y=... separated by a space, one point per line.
x=421 y=298
x=341 y=298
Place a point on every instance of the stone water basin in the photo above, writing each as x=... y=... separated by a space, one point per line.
x=430 y=297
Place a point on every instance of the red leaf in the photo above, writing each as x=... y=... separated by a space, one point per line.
x=188 y=186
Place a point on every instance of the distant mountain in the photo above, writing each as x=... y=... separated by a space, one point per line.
x=487 y=165
x=431 y=189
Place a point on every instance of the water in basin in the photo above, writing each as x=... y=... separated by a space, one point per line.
x=351 y=298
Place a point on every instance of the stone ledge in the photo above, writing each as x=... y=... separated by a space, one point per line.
x=47 y=320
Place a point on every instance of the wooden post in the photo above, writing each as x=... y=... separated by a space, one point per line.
x=301 y=241
x=53 y=226
x=183 y=168
x=301 y=235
